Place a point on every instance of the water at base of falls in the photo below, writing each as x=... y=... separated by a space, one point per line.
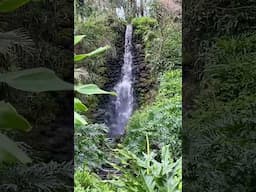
x=122 y=104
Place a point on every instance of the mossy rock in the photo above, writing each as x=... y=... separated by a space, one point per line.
x=144 y=24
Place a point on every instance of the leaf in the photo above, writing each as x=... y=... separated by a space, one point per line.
x=9 y=151
x=91 y=89
x=79 y=120
x=35 y=80
x=78 y=38
x=15 y=39
x=11 y=5
x=149 y=182
x=10 y=119
x=94 y=53
x=79 y=106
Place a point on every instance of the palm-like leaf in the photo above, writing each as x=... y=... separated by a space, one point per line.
x=13 y=39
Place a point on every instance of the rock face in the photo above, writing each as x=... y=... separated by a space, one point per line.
x=144 y=82
x=113 y=73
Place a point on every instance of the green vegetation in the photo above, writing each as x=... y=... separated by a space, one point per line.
x=87 y=181
x=86 y=89
x=162 y=42
x=161 y=120
x=143 y=25
x=92 y=146
x=225 y=114
x=20 y=167
x=146 y=173
x=31 y=80
x=148 y=159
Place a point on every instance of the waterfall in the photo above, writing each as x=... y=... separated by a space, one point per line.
x=122 y=104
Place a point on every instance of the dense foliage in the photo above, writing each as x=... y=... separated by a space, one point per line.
x=22 y=167
x=162 y=42
x=92 y=146
x=148 y=156
x=146 y=173
x=161 y=120
x=224 y=122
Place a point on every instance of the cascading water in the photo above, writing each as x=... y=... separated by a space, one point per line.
x=122 y=104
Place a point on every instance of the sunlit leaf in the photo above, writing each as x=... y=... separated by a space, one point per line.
x=79 y=106
x=79 y=119
x=10 y=152
x=11 y=5
x=91 y=89
x=10 y=119
x=35 y=80
x=78 y=39
x=94 y=53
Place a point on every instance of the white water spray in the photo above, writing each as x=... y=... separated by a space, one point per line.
x=123 y=103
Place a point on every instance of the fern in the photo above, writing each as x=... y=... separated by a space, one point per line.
x=12 y=40
x=41 y=177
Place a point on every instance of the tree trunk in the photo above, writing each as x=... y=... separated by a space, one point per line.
x=142 y=8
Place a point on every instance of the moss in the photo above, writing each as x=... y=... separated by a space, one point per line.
x=143 y=24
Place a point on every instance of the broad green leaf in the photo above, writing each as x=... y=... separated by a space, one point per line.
x=35 y=80
x=11 y=5
x=78 y=38
x=79 y=106
x=94 y=53
x=79 y=120
x=80 y=57
x=9 y=151
x=91 y=89
x=10 y=119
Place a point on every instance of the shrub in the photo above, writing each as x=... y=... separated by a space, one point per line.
x=222 y=125
x=86 y=181
x=160 y=120
x=146 y=174
x=144 y=24
x=163 y=49
x=91 y=145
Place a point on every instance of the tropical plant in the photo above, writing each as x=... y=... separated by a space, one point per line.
x=218 y=131
x=37 y=177
x=161 y=120
x=18 y=172
x=32 y=80
x=92 y=147
x=147 y=174
x=87 y=89
x=87 y=181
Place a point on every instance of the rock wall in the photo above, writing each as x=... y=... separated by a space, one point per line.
x=114 y=62
x=145 y=82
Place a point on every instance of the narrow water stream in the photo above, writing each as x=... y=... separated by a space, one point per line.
x=122 y=105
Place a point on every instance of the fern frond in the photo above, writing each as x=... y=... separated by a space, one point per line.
x=11 y=40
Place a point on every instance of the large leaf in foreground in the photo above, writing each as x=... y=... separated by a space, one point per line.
x=35 y=80
x=91 y=89
x=10 y=119
x=94 y=53
x=10 y=152
x=11 y=5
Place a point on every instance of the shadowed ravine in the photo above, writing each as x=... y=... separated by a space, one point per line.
x=122 y=105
